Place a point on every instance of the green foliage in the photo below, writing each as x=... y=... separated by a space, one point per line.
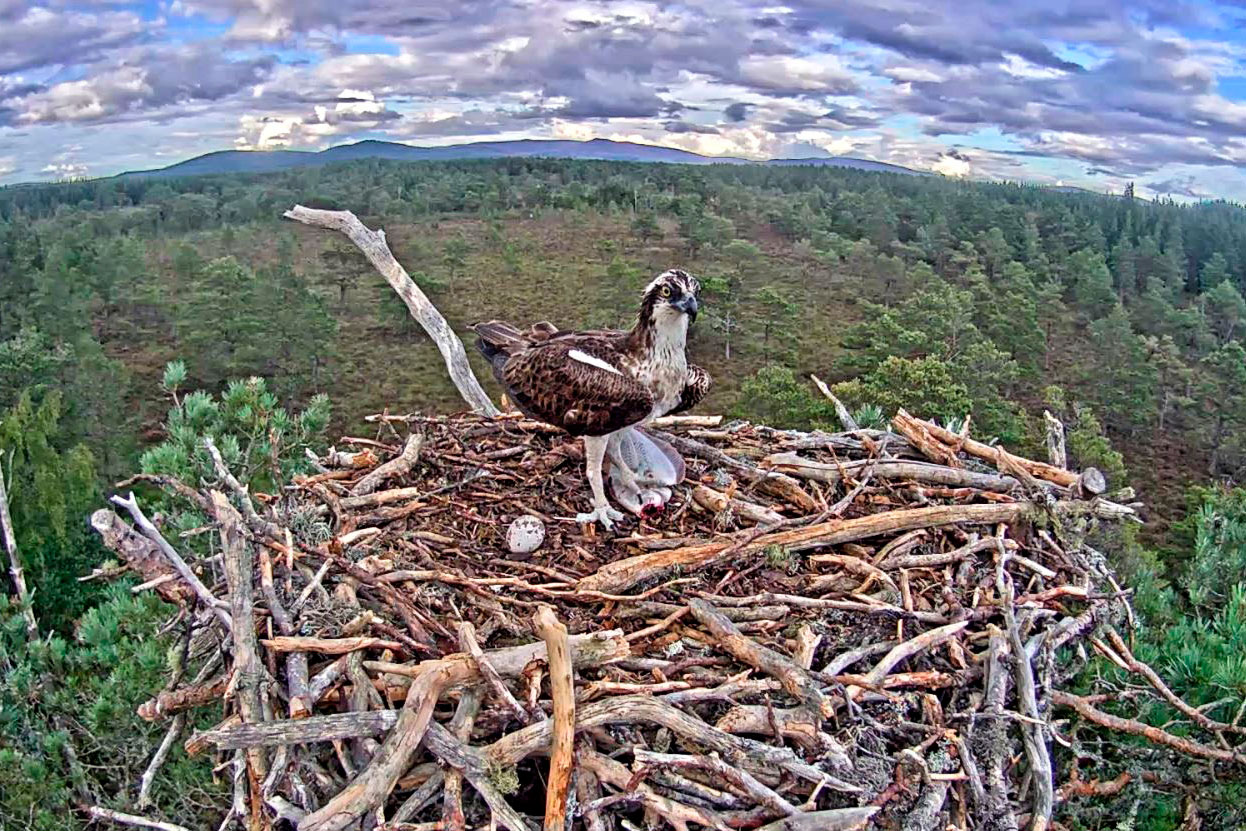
x=920 y=385
x=1224 y=309
x=775 y=396
x=1091 y=282
x=455 y=253
x=68 y=728
x=51 y=490
x=1089 y=447
x=1218 y=567
x=261 y=442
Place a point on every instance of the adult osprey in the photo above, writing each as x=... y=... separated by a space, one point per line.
x=600 y=384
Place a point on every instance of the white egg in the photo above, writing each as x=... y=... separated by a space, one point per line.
x=525 y=534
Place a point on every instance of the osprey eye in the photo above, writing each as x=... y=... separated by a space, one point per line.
x=666 y=291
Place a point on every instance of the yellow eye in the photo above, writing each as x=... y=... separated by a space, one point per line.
x=666 y=291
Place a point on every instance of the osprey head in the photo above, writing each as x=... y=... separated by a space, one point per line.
x=673 y=292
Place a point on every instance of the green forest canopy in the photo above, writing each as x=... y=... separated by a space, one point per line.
x=946 y=297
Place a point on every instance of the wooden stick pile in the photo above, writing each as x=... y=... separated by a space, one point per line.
x=822 y=631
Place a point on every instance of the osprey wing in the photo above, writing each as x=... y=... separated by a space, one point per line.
x=576 y=383
x=697 y=385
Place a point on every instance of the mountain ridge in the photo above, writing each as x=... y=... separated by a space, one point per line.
x=270 y=161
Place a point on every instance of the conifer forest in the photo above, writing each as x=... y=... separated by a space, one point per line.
x=139 y=315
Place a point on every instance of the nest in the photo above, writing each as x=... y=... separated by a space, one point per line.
x=821 y=631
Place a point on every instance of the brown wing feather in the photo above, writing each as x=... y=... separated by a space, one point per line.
x=694 y=390
x=547 y=384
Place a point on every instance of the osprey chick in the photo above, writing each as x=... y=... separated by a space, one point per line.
x=596 y=384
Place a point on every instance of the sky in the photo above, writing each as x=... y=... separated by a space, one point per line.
x=1094 y=94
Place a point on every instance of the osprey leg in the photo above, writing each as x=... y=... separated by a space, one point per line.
x=594 y=455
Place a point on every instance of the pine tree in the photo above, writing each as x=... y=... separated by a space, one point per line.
x=51 y=488
x=1223 y=392
x=1224 y=308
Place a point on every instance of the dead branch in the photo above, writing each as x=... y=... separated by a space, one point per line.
x=376 y=249
x=201 y=591
x=395 y=468
x=562 y=689
x=8 y=538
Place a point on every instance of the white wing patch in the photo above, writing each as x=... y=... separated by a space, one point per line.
x=584 y=358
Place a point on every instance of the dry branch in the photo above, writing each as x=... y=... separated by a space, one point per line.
x=8 y=538
x=701 y=708
x=376 y=249
x=562 y=691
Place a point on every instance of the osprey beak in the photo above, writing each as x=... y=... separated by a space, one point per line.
x=688 y=305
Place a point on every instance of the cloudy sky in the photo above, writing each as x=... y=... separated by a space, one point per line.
x=1093 y=93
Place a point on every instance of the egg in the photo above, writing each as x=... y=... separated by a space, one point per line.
x=525 y=534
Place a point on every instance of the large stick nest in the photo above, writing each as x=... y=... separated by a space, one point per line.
x=821 y=631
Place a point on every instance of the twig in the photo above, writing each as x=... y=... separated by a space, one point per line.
x=1032 y=732
x=467 y=640
x=9 y=539
x=1137 y=728
x=394 y=468
x=131 y=819
x=140 y=519
x=740 y=779
x=157 y=761
x=247 y=670
x=562 y=689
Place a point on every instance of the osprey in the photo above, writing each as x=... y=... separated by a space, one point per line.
x=600 y=384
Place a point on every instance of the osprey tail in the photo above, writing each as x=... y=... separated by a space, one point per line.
x=497 y=341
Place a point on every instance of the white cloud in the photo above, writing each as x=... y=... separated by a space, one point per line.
x=65 y=170
x=787 y=73
x=950 y=165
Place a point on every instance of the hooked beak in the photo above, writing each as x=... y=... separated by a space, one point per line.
x=688 y=305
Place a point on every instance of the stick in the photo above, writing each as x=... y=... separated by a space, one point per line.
x=932 y=474
x=328 y=646
x=985 y=451
x=131 y=819
x=627 y=709
x=845 y=418
x=839 y=819
x=475 y=768
x=914 y=646
x=374 y=247
x=675 y=813
x=741 y=779
x=9 y=538
x=255 y=522
x=247 y=671
x=201 y=591
x=461 y=728
x=467 y=640
x=562 y=689
x=296 y=662
x=623 y=574
x=1137 y=728
x=1032 y=731
x=796 y=682
x=1056 y=454
x=157 y=760
x=373 y=784
x=352 y=725
x=394 y=468
x=718 y=502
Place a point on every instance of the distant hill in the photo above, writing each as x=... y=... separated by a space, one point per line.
x=267 y=161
